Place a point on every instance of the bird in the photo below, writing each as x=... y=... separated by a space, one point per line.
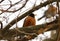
x=50 y=12
x=30 y=20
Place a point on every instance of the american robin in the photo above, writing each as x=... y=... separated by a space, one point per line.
x=30 y=20
x=51 y=12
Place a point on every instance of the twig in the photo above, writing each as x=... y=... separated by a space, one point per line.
x=1 y=1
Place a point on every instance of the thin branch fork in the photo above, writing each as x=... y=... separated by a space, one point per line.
x=11 y=5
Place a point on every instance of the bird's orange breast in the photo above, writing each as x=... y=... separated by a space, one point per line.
x=29 y=21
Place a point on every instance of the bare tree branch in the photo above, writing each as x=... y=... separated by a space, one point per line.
x=30 y=30
x=8 y=8
x=1 y=25
x=38 y=29
x=25 y=14
x=1 y=1
x=11 y=5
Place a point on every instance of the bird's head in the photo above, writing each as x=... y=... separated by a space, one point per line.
x=32 y=15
